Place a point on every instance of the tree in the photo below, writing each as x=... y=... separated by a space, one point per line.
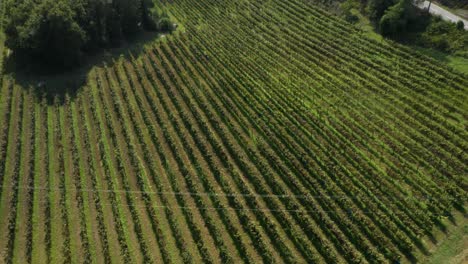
x=58 y=31
x=377 y=8
x=130 y=14
x=395 y=19
x=48 y=32
x=150 y=15
x=165 y=24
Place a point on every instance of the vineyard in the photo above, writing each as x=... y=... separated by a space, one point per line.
x=265 y=131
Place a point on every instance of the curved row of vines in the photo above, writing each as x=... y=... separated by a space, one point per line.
x=266 y=131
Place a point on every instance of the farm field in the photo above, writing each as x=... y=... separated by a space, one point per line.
x=264 y=131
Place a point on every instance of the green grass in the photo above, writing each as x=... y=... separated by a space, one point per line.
x=365 y=25
x=456 y=62
x=454 y=249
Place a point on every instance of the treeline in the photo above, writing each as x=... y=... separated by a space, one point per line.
x=58 y=32
x=401 y=20
x=391 y=17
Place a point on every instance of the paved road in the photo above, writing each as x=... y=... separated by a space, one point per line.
x=446 y=15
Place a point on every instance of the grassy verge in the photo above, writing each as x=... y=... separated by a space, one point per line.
x=457 y=62
x=454 y=248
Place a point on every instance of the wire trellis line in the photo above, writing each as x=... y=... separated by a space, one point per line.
x=282 y=196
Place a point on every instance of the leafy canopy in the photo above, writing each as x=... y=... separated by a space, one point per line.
x=59 y=31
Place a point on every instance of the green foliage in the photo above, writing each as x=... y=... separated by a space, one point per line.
x=395 y=19
x=48 y=31
x=445 y=36
x=349 y=8
x=57 y=31
x=165 y=24
x=376 y=8
x=403 y=22
x=351 y=18
x=155 y=19
x=150 y=15
x=130 y=14
x=460 y=25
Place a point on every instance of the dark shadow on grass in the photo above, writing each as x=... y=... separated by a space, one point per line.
x=435 y=54
x=55 y=85
x=452 y=220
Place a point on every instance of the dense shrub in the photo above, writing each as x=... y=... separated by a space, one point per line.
x=395 y=19
x=402 y=21
x=349 y=10
x=164 y=24
x=376 y=8
x=445 y=36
